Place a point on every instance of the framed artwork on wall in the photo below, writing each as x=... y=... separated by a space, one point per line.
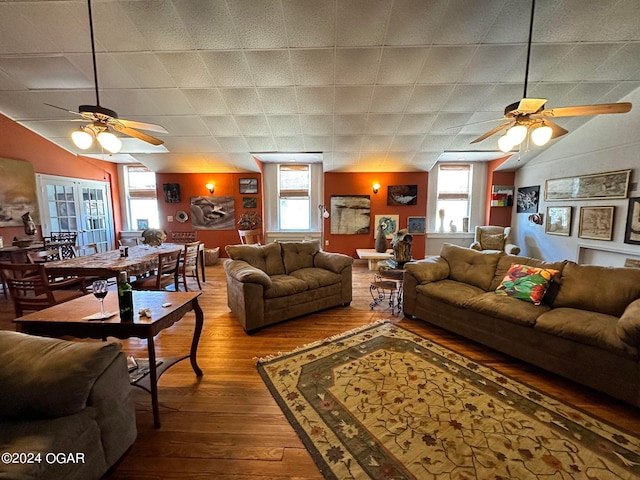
x=18 y=194
x=632 y=232
x=608 y=185
x=389 y=224
x=400 y=195
x=527 y=199
x=248 y=185
x=596 y=223
x=417 y=225
x=213 y=213
x=350 y=214
x=558 y=221
x=171 y=192
x=249 y=202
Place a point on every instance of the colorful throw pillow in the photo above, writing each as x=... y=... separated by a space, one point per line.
x=526 y=283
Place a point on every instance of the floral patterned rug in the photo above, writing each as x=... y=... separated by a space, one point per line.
x=381 y=402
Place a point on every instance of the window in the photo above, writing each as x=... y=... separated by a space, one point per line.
x=141 y=196
x=294 y=197
x=454 y=194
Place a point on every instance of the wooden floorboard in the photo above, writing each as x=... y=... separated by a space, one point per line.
x=227 y=426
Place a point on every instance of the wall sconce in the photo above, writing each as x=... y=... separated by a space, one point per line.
x=376 y=188
x=210 y=187
x=323 y=211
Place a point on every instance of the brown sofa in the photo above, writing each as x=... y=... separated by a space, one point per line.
x=267 y=284
x=587 y=327
x=67 y=398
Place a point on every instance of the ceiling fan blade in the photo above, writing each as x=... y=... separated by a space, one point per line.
x=581 y=110
x=492 y=132
x=531 y=105
x=141 y=125
x=558 y=131
x=136 y=134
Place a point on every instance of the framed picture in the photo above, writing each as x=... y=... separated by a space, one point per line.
x=599 y=185
x=527 y=199
x=171 y=192
x=596 y=223
x=558 y=221
x=213 y=213
x=249 y=202
x=248 y=185
x=632 y=233
x=389 y=224
x=400 y=195
x=417 y=225
x=143 y=223
x=350 y=214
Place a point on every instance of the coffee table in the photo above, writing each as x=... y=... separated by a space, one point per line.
x=69 y=319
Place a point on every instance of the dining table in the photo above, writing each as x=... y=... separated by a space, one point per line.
x=140 y=260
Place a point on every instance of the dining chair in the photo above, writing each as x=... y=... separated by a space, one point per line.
x=166 y=274
x=249 y=237
x=88 y=249
x=31 y=289
x=129 y=242
x=43 y=256
x=189 y=263
x=64 y=241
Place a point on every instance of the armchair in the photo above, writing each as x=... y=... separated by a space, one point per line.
x=494 y=239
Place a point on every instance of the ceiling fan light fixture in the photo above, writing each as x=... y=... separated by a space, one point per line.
x=517 y=134
x=109 y=141
x=82 y=139
x=541 y=135
x=504 y=143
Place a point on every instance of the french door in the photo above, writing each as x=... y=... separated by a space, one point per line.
x=76 y=205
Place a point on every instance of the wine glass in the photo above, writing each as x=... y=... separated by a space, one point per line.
x=100 y=290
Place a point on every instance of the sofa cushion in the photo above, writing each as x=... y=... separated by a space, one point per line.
x=605 y=290
x=429 y=269
x=449 y=291
x=506 y=308
x=297 y=255
x=628 y=327
x=505 y=262
x=470 y=266
x=317 y=277
x=283 y=285
x=492 y=241
x=267 y=258
x=61 y=372
x=527 y=283
x=590 y=328
x=244 y=272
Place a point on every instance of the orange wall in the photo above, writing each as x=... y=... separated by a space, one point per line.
x=193 y=185
x=360 y=184
x=499 y=216
x=20 y=143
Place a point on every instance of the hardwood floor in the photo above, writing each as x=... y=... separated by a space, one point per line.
x=227 y=426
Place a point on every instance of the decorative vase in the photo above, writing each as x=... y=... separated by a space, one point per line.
x=381 y=240
x=465 y=224
x=441 y=215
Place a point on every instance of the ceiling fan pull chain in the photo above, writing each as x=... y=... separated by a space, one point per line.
x=526 y=69
x=93 y=52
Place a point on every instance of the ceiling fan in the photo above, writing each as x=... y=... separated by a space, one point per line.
x=528 y=116
x=103 y=119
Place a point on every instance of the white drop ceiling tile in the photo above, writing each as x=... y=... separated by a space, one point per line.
x=270 y=68
x=425 y=160
x=317 y=124
x=552 y=91
x=572 y=20
x=350 y=124
x=179 y=125
x=113 y=29
x=191 y=144
x=499 y=97
x=621 y=65
x=111 y=73
x=347 y=143
x=228 y=68
x=390 y=99
x=31 y=105
x=581 y=61
x=429 y=98
x=206 y=101
x=446 y=64
x=222 y=125
x=413 y=22
x=290 y=144
x=44 y=72
x=259 y=24
x=313 y=66
x=545 y=59
x=383 y=123
x=261 y=144
x=436 y=143
x=465 y=97
x=480 y=122
x=242 y=101
x=130 y=102
x=615 y=22
x=357 y=66
x=517 y=16
x=315 y=99
x=186 y=69
x=413 y=123
x=467 y=21
x=490 y=63
x=376 y=143
x=8 y=83
x=587 y=93
x=362 y=22
x=159 y=23
x=51 y=129
x=278 y=100
x=407 y=143
x=620 y=92
x=146 y=69
x=233 y=144
x=253 y=125
x=209 y=23
x=284 y=125
x=447 y=120
x=463 y=142
x=169 y=102
x=371 y=163
x=19 y=35
x=401 y=65
x=309 y=24
x=318 y=143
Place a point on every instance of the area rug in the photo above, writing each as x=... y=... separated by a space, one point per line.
x=382 y=402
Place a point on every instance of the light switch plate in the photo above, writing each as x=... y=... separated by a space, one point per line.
x=169 y=218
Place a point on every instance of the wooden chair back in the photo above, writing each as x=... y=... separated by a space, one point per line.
x=249 y=237
x=167 y=273
x=64 y=241
x=43 y=256
x=189 y=264
x=88 y=249
x=129 y=242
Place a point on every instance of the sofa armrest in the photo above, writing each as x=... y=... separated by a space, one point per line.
x=431 y=269
x=628 y=326
x=334 y=262
x=476 y=246
x=244 y=272
x=511 y=249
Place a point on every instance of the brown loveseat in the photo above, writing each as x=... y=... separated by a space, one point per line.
x=67 y=406
x=587 y=327
x=267 y=284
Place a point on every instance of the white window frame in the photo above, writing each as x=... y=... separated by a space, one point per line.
x=294 y=194
x=129 y=195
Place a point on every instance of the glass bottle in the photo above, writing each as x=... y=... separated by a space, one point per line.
x=125 y=298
